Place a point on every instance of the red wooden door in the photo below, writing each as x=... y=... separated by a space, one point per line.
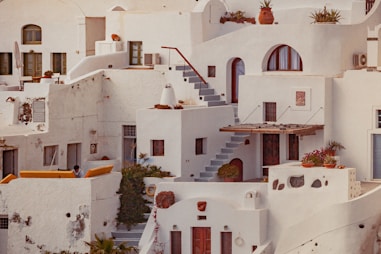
x=201 y=242
x=238 y=162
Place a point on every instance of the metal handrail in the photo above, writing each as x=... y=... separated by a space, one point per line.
x=186 y=60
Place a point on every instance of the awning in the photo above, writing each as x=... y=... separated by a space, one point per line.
x=266 y=128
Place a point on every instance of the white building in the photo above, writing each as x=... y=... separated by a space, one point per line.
x=273 y=92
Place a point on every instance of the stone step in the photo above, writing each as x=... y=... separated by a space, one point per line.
x=227 y=150
x=127 y=234
x=223 y=156
x=207 y=174
x=206 y=91
x=233 y=144
x=215 y=162
x=211 y=97
x=183 y=68
x=212 y=168
x=215 y=103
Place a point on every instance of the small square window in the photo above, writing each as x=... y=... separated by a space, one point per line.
x=200 y=146
x=157 y=147
x=211 y=71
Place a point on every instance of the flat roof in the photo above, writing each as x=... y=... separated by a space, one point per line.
x=268 y=128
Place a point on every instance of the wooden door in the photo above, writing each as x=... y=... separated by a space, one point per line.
x=238 y=68
x=270 y=150
x=238 y=162
x=201 y=240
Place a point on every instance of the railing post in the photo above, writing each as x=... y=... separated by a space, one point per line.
x=186 y=60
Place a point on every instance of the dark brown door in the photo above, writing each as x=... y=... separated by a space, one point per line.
x=270 y=150
x=201 y=243
x=237 y=162
x=238 y=68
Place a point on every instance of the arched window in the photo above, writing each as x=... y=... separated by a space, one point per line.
x=31 y=34
x=284 y=58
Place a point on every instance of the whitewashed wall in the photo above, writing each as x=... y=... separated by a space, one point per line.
x=40 y=210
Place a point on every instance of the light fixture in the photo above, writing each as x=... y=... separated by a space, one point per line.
x=174 y=227
x=226 y=227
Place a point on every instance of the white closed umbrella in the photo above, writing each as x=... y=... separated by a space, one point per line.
x=19 y=64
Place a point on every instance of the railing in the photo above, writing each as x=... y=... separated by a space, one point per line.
x=186 y=60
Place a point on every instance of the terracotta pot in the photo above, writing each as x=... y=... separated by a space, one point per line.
x=308 y=165
x=329 y=165
x=266 y=16
x=229 y=179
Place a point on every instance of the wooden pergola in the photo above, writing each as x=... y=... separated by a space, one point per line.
x=266 y=128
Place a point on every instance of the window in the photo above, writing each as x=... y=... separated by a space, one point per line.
x=226 y=243
x=31 y=34
x=284 y=58
x=3 y=222
x=5 y=63
x=175 y=242
x=33 y=64
x=38 y=111
x=293 y=147
x=59 y=63
x=200 y=145
x=158 y=147
x=379 y=118
x=136 y=52
x=270 y=111
x=50 y=155
x=211 y=71
x=129 y=144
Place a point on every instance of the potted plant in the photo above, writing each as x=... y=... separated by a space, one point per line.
x=332 y=147
x=314 y=158
x=228 y=171
x=326 y=16
x=238 y=17
x=266 y=15
x=329 y=161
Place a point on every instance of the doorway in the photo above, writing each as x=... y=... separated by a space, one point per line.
x=376 y=156
x=270 y=148
x=73 y=155
x=238 y=162
x=238 y=69
x=201 y=240
x=10 y=162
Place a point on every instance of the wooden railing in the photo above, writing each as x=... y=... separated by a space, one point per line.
x=186 y=60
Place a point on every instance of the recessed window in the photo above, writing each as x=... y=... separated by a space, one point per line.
x=211 y=71
x=136 y=52
x=50 y=155
x=157 y=147
x=285 y=58
x=3 y=222
x=38 y=111
x=200 y=146
x=5 y=63
x=270 y=111
x=31 y=34
x=59 y=63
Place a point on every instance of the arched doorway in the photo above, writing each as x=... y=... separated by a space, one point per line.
x=238 y=162
x=238 y=68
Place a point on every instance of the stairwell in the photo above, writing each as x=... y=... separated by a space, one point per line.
x=206 y=93
x=225 y=156
x=129 y=237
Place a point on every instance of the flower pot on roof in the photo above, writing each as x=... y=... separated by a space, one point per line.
x=326 y=16
x=237 y=17
x=332 y=147
x=266 y=16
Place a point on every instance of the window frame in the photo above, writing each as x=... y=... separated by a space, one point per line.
x=6 y=63
x=200 y=146
x=269 y=113
x=59 y=62
x=31 y=34
x=158 y=147
x=276 y=58
x=49 y=157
